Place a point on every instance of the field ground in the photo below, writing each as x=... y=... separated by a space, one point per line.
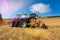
x=13 y=33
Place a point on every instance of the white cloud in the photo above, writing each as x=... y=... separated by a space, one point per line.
x=40 y=8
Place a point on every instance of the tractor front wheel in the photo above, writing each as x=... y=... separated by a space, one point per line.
x=11 y=24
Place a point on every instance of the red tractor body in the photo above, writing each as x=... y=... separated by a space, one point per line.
x=15 y=20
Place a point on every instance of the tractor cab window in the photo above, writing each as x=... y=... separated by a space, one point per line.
x=23 y=16
x=32 y=15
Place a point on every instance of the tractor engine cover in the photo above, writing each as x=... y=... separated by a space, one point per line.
x=15 y=20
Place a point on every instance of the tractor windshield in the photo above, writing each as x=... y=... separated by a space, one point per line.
x=32 y=15
x=22 y=16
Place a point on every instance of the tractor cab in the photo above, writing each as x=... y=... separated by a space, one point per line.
x=20 y=20
x=23 y=21
x=21 y=16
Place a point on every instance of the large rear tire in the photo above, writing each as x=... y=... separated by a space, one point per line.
x=24 y=24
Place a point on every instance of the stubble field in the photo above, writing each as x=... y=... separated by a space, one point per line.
x=17 y=33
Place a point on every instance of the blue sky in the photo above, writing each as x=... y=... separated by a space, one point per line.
x=9 y=8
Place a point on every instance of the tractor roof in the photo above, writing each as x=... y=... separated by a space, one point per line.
x=21 y=14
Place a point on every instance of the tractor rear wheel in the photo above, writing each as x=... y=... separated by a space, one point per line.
x=24 y=24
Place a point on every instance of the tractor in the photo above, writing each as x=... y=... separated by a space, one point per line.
x=24 y=21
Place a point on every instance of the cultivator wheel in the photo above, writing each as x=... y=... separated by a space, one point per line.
x=42 y=25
